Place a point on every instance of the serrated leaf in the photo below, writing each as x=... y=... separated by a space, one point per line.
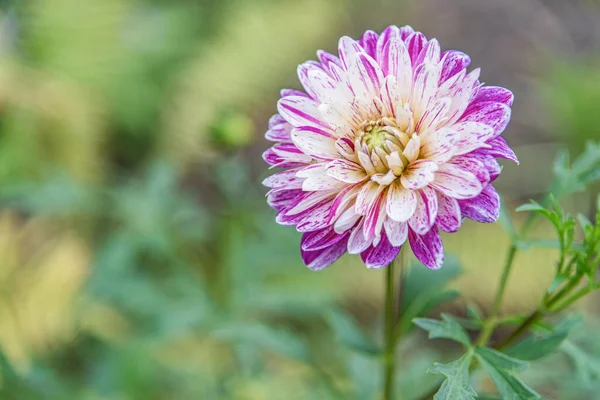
x=457 y=385
x=448 y=328
x=500 y=368
x=350 y=334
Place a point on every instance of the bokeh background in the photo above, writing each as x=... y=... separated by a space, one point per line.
x=138 y=259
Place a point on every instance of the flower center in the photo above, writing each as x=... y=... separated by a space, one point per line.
x=382 y=135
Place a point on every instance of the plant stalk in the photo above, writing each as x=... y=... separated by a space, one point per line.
x=389 y=356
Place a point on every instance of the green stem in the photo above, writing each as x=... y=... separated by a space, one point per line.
x=573 y=299
x=490 y=323
x=389 y=356
x=532 y=319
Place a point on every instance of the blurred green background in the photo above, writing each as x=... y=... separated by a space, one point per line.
x=138 y=259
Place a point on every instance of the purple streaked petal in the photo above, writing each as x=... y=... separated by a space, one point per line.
x=301 y=111
x=319 y=259
x=491 y=113
x=419 y=174
x=455 y=182
x=346 y=171
x=358 y=242
x=395 y=61
x=396 y=232
x=341 y=201
x=347 y=220
x=315 y=142
x=401 y=203
x=380 y=256
x=428 y=248
x=284 y=180
x=426 y=212
x=483 y=208
x=292 y=92
x=474 y=166
x=473 y=135
x=388 y=34
x=499 y=148
x=430 y=54
x=373 y=221
x=317 y=240
x=366 y=77
x=449 y=216
x=415 y=44
x=303 y=71
x=406 y=31
x=328 y=59
x=368 y=41
x=348 y=48
x=453 y=63
x=496 y=94
x=280 y=199
x=439 y=145
x=316 y=218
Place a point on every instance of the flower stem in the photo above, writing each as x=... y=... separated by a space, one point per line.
x=389 y=356
x=490 y=323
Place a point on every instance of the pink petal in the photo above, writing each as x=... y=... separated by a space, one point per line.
x=434 y=115
x=428 y=248
x=341 y=201
x=380 y=256
x=319 y=259
x=493 y=114
x=395 y=61
x=317 y=240
x=449 y=216
x=301 y=111
x=397 y=232
x=327 y=90
x=483 y=208
x=456 y=182
x=426 y=212
x=308 y=201
x=401 y=203
x=419 y=174
x=346 y=171
x=406 y=31
x=315 y=142
x=346 y=221
x=286 y=156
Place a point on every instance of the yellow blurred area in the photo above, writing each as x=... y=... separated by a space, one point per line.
x=43 y=271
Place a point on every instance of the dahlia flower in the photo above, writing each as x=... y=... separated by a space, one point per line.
x=391 y=141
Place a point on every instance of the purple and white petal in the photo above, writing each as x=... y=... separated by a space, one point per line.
x=483 y=208
x=380 y=256
x=428 y=248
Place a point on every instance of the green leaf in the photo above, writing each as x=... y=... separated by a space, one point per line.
x=559 y=280
x=500 y=368
x=350 y=334
x=448 y=328
x=533 y=206
x=457 y=385
x=534 y=348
